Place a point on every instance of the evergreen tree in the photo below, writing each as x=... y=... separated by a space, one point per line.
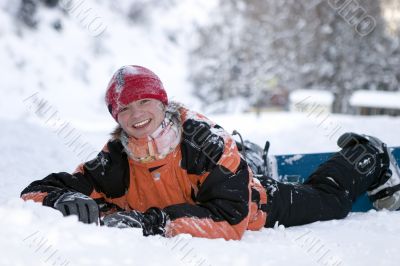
x=255 y=46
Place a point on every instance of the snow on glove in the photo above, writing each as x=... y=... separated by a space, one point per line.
x=152 y=222
x=201 y=147
x=75 y=203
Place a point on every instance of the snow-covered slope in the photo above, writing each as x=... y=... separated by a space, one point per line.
x=71 y=67
x=69 y=71
x=30 y=233
x=310 y=131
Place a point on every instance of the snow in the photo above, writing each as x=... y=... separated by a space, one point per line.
x=65 y=71
x=31 y=151
x=376 y=99
x=292 y=159
x=310 y=100
x=320 y=96
x=307 y=132
x=130 y=70
x=74 y=62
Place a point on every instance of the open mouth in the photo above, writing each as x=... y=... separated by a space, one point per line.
x=142 y=124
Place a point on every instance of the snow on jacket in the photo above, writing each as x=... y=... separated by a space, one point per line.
x=204 y=185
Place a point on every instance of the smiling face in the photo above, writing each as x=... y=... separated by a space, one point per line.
x=141 y=118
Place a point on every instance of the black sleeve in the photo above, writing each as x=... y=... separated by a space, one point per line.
x=224 y=193
x=223 y=196
x=108 y=173
x=57 y=184
x=201 y=148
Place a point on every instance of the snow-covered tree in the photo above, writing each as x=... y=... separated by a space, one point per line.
x=255 y=46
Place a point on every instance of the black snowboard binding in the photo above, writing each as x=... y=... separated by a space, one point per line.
x=255 y=156
x=385 y=192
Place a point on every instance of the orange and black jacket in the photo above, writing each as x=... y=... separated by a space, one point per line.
x=204 y=185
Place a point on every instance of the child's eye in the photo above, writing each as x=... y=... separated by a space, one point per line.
x=144 y=101
x=122 y=109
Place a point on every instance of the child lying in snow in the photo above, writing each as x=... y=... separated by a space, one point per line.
x=169 y=170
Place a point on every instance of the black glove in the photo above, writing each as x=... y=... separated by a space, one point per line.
x=201 y=148
x=152 y=222
x=75 y=203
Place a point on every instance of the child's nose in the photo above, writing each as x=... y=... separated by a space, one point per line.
x=136 y=111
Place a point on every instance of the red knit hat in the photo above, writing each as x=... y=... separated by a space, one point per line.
x=131 y=83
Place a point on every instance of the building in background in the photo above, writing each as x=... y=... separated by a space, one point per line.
x=376 y=102
x=311 y=101
x=391 y=14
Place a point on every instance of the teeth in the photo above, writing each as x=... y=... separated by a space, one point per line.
x=142 y=123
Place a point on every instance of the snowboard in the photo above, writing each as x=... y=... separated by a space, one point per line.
x=297 y=168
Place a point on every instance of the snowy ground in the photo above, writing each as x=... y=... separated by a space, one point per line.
x=35 y=235
x=71 y=75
